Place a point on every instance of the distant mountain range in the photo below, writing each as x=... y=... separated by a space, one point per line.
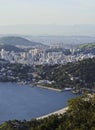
x=68 y=41
x=49 y=29
x=43 y=41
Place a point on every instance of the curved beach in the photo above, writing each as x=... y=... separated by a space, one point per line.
x=61 y=111
x=54 y=89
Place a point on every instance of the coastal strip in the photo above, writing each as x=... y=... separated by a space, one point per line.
x=61 y=111
x=58 y=112
x=54 y=89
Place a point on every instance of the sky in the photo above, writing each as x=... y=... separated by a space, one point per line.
x=44 y=12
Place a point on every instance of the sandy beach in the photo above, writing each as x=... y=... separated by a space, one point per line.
x=54 y=89
x=61 y=111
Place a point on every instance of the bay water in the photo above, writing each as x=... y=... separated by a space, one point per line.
x=25 y=102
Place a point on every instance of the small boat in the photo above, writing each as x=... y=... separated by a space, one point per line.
x=68 y=89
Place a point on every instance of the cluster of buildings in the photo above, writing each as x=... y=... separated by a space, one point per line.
x=42 y=56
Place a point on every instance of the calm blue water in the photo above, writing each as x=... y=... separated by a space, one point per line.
x=24 y=102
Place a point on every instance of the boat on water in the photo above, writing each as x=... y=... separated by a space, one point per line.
x=31 y=85
x=68 y=89
x=21 y=83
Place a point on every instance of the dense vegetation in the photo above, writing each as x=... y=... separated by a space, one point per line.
x=80 y=116
x=15 y=72
x=86 y=48
x=79 y=74
x=11 y=48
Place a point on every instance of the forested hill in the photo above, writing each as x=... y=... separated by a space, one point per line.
x=80 y=116
x=86 y=48
x=11 y=48
x=14 y=40
x=79 y=74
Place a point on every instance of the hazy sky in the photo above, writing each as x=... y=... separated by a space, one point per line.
x=50 y=17
x=64 y=12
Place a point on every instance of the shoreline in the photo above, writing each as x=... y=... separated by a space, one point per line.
x=54 y=89
x=39 y=86
x=58 y=112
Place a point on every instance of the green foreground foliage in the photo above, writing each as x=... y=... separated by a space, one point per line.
x=80 y=116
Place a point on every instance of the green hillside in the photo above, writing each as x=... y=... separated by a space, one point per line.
x=79 y=74
x=86 y=46
x=11 y=48
x=14 y=40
